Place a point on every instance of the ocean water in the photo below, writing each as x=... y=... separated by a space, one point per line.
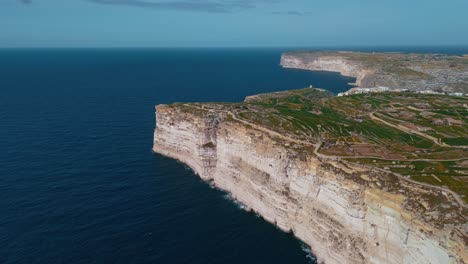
x=78 y=180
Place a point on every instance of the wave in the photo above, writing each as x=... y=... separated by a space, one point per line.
x=236 y=202
x=309 y=255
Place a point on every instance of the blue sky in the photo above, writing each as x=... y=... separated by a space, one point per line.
x=232 y=23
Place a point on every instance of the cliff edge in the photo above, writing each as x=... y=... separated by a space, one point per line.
x=338 y=172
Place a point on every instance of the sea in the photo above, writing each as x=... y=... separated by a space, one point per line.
x=79 y=182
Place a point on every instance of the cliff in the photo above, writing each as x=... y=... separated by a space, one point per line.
x=348 y=212
x=394 y=70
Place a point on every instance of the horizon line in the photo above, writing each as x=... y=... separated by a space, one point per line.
x=239 y=47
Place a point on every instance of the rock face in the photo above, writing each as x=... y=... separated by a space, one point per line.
x=394 y=70
x=344 y=219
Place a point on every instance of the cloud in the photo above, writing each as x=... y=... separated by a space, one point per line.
x=291 y=13
x=211 y=6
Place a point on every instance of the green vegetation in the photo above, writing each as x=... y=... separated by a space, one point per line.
x=459 y=141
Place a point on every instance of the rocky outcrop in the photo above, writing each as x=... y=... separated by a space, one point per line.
x=346 y=213
x=415 y=72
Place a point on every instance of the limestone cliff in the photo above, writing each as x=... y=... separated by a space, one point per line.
x=346 y=213
x=393 y=70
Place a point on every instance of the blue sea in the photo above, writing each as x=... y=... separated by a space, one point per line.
x=78 y=180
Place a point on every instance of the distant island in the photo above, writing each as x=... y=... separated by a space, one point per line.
x=374 y=176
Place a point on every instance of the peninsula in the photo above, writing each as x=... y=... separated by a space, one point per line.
x=363 y=178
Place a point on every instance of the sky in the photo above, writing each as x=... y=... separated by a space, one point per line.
x=232 y=23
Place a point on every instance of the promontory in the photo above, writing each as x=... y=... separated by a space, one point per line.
x=372 y=177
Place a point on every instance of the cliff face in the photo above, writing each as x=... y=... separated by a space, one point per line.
x=339 y=210
x=394 y=70
x=327 y=63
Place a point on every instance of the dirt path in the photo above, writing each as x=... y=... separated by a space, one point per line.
x=412 y=131
x=408 y=130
